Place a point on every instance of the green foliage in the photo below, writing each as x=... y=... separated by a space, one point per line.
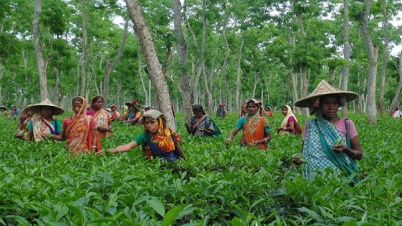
x=42 y=183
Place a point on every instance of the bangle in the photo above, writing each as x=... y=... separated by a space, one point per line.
x=229 y=139
x=94 y=146
x=116 y=149
x=265 y=139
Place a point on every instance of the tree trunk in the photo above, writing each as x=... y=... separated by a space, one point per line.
x=331 y=75
x=147 y=97
x=373 y=57
x=224 y=73
x=346 y=52
x=384 y=58
x=84 y=54
x=182 y=51
x=109 y=66
x=238 y=104
x=1 y=84
x=38 y=50
x=395 y=101
x=154 y=67
x=304 y=85
x=202 y=63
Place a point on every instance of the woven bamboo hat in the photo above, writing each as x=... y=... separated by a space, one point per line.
x=324 y=88
x=3 y=108
x=35 y=108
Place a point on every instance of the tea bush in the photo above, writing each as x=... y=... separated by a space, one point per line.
x=42 y=184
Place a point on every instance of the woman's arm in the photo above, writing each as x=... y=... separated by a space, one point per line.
x=232 y=135
x=355 y=152
x=266 y=139
x=29 y=135
x=188 y=127
x=94 y=142
x=123 y=148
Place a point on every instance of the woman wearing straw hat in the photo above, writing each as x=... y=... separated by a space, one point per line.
x=329 y=141
x=157 y=140
x=44 y=127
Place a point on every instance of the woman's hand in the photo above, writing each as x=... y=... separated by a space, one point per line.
x=339 y=148
x=56 y=137
x=102 y=129
x=296 y=160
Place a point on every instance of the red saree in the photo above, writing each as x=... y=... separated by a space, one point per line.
x=78 y=131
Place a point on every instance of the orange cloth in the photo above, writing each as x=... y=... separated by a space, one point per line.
x=254 y=130
x=78 y=131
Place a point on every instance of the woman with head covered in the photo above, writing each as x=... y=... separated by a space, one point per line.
x=329 y=140
x=157 y=140
x=256 y=131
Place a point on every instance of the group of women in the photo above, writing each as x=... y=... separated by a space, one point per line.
x=328 y=140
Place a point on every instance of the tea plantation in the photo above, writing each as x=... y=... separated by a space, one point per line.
x=42 y=184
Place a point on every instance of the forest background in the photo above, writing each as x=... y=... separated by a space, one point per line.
x=210 y=52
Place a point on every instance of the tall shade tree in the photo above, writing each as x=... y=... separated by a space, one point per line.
x=154 y=67
x=182 y=51
x=110 y=65
x=373 y=64
x=346 y=51
x=38 y=50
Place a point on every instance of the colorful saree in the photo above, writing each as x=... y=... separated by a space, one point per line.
x=22 y=129
x=285 y=123
x=102 y=119
x=164 y=144
x=321 y=135
x=254 y=129
x=42 y=129
x=78 y=132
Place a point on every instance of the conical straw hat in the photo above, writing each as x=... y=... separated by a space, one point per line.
x=56 y=109
x=3 y=108
x=324 y=88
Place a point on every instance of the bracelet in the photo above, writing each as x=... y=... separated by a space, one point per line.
x=116 y=149
x=265 y=139
x=229 y=139
x=94 y=146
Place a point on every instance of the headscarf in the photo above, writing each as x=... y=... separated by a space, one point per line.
x=78 y=133
x=286 y=119
x=163 y=137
